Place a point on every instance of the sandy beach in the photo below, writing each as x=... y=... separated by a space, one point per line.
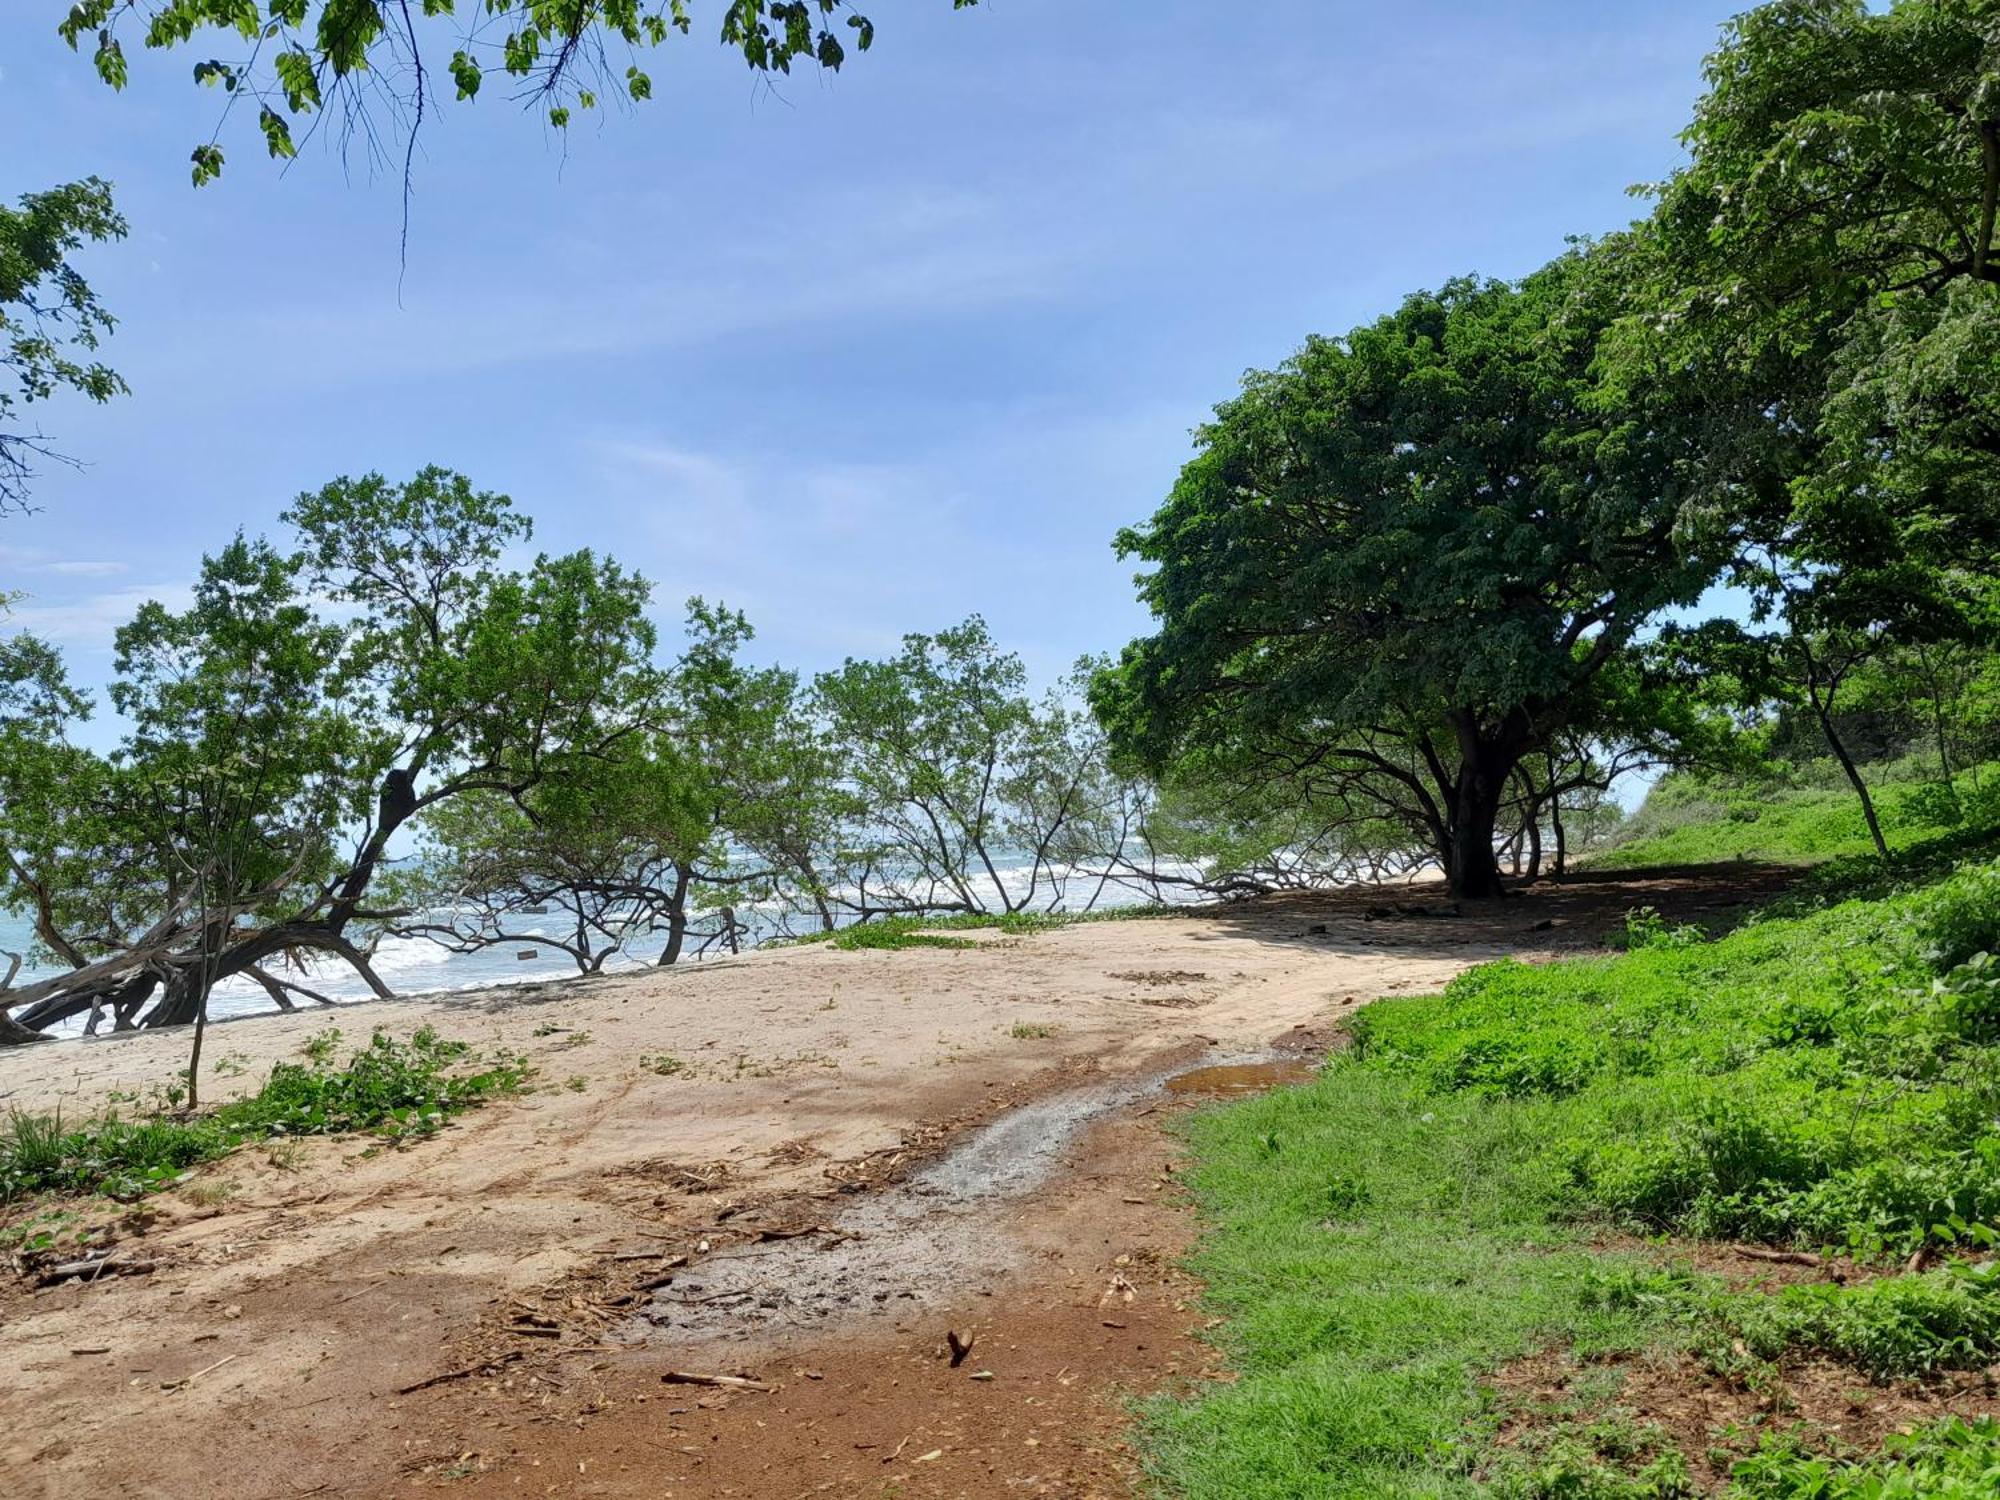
x=534 y=1251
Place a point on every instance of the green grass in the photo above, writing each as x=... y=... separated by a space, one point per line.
x=1380 y=1241
x=397 y=1089
x=1691 y=821
x=1373 y=1247
x=893 y=933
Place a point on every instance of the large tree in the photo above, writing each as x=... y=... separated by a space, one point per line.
x=974 y=796
x=1402 y=563
x=289 y=725
x=1832 y=240
x=377 y=67
x=651 y=846
x=1829 y=253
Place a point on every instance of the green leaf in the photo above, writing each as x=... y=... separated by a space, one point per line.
x=207 y=163
x=466 y=74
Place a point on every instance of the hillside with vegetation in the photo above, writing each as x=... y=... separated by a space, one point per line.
x=1712 y=1215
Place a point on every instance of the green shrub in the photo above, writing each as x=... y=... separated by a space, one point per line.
x=1896 y=1327
x=398 y=1089
x=1961 y=917
x=1955 y=1460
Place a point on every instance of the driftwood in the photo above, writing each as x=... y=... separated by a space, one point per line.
x=93 y=1269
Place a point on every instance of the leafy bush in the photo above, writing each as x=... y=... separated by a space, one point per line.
x=893 y=933
x=1813 y=1078
x=1646 y=928
x=1961 y=917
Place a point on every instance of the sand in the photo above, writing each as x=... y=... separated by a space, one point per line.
x=303 y=1289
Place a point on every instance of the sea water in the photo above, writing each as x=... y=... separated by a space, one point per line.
x=414 y=966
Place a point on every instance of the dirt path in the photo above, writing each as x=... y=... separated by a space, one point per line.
x=713 y=1114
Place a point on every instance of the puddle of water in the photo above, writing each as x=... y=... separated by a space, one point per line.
x=921 y=1241
x=1242 y=1078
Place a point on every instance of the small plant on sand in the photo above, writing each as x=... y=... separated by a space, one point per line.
x=892 y=934
x=398 y=1090
x=1031 y=1031
x=665 y=1064
x=320 y=1046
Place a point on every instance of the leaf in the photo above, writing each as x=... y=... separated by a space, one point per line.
x=207 y=163
x=466 y=74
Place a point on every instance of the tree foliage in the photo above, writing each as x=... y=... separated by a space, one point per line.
x=715 y=802
x=1402 y=563
x=964 y=776
x=1829 y=248
x=285 y=727
x=378 y=66
x=50 y=320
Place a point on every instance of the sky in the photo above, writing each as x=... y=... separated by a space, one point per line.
x=859 y=354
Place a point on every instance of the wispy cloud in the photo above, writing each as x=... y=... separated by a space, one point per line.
x=86 y=625
x=85 y=568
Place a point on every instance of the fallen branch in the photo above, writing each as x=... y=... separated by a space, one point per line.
x=187 y=1380
x=766 y=1235
x=94 y=1269
x=727 y=1382
x=481 y=1368
x=1780 y=1257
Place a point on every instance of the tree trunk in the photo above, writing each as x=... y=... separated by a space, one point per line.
x=14 y=1034
x=1534 y=829
x=677 y=918
x=1474 y=873
x=1833 y=743
x=1562 y=839
x=1472 y=869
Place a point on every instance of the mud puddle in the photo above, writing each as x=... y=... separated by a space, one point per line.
x=934 y=1238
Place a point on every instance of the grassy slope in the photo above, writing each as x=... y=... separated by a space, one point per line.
x=1686 y=822
x=1382 y=1239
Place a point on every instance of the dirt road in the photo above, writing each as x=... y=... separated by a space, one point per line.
x=805 y=1166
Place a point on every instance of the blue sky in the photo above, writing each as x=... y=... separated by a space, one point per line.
x=859 y=356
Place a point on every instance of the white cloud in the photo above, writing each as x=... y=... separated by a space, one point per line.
x=84 y=568
x=88 y=624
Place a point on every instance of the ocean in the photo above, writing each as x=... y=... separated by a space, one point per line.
x=414 y=967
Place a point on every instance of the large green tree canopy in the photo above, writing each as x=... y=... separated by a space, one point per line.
x=1402 y=562
x=1832 y=239
x=379 y=64
x=1828 y=253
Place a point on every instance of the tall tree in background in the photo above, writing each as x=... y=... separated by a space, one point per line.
x=50 y=320
x=653 y=843
x=973 y=795
x=438 y=673
x=1401 y=561
x=377 y=67
x=1831 y=248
